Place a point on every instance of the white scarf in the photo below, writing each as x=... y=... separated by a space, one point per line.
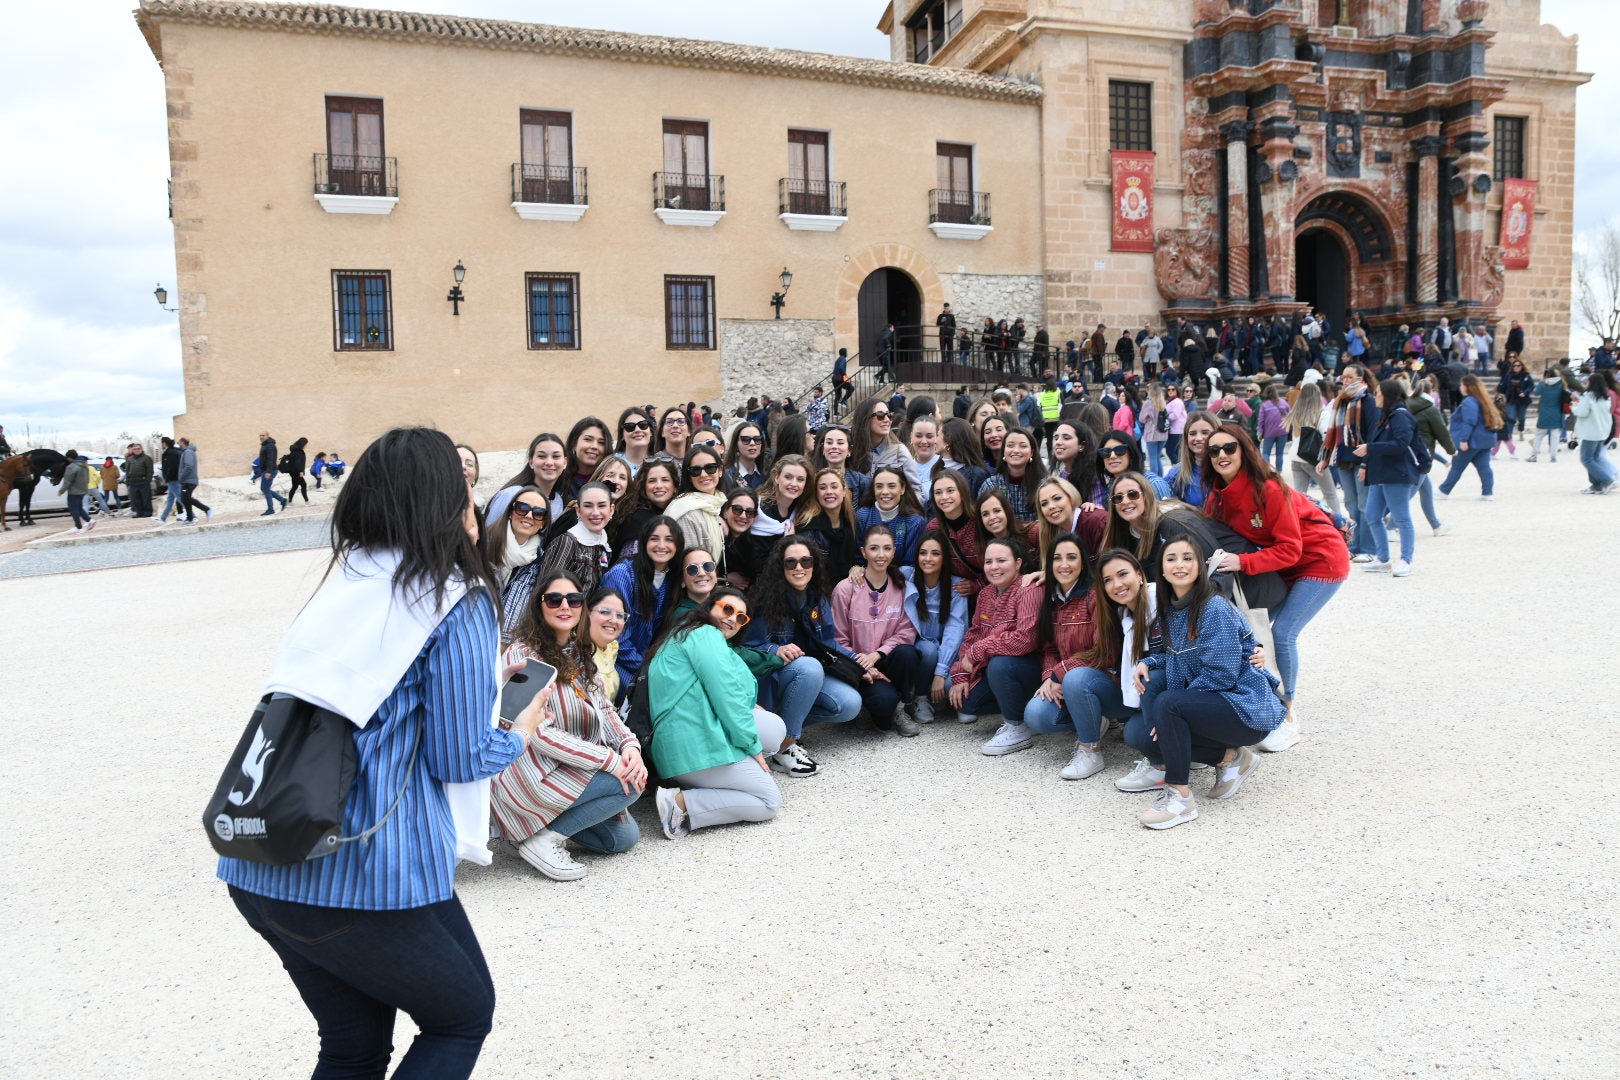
x=514 y=554
x=582 y=532
x=350 y=646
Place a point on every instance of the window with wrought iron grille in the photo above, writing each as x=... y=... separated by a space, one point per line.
x=688 y=312
x=1130 y=115
x=1508 y=148
x=362 y=310
x=553 y=302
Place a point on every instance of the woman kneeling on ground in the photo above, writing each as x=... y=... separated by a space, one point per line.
x=708 y=738
x=583 y=767
x=999 y=664
x=1215 y=704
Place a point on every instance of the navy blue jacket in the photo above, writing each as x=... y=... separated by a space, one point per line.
x=1390 y=455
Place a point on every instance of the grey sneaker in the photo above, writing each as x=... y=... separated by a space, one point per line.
x=545 y=851
x=922 y=710
x=1085 y=762
x=1169 y=810
x=1008 y=739
x=670 y=815
x=904 y=725
x=1144 y=776
x=1230 y=775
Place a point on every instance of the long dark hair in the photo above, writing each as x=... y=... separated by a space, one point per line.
x=961 y=443
x=1393 y=394
x=768 y=595
x=642 y=570
x=1013 y=523
x=1053 y=589
x=582 y=629
x=969 y=509
x=1252 y=464
x=526 y=475
x=879 y=529
x=1034 y=472
x=1203 y=589
x=635 y=412
x=635 y=499
x=1133 y=454
x=945 y=581
x=495 y=540
x=1083 y=473
x=407 y=494
x=1110 y=624
x=860 y=435
x=908 y=497
x=663 y=418
x=792 y=437
x=764 y=462
x=573 y=664
x=683 y=624
x=691 y=459
x=581 y=427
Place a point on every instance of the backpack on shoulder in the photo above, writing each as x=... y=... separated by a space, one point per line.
x=285 y=464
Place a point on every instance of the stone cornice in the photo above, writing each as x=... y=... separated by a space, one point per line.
x=337 y=21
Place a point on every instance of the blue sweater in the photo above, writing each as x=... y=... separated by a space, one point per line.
x=1189 y=489
x=946 y=633
x=1468 y=426
x=639 y=632
x=1218 y=662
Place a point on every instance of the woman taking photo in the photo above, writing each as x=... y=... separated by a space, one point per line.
x=547 y=461
x=588 y=443
x=1076 y=691
x=830 y=522
x=869 y=617
x=635 y=440
x=1019 y=474
x=745 y=460
x=1306 y=422
x=376 y=927
x=1119 y=455
x=782 y=495
x=790 y=608
x=1295 y=538
x=1186 y=476
x=696 y=509
x=513 y=547
x=674 y=432
x=1392 y=474
x=708 y=739
x=1215 y=705
x=832 y=452
x=583 y=767
x=889 y=501
x=744 y=549
x=649 y=591
x=649 y=494
x=955 y=519
x=939 y=615
x=998 y=665
x=581 y=553
x=1474 y=423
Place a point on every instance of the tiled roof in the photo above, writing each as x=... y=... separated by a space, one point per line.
x=568 y=40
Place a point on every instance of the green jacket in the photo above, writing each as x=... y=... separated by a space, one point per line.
x=760 y=663
x=76 y=478
x=702 y=698
x=1431 y=423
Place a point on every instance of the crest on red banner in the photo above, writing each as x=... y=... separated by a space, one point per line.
x=1133 y=200
x=1518 y=222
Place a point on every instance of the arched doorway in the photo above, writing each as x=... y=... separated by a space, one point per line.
x=1322 y=274
x=889 y=296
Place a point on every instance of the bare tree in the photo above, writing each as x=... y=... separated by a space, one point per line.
x=1597 y=284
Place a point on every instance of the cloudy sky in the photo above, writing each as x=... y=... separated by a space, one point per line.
x=84 y=233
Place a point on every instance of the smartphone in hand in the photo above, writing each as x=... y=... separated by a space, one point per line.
x=524 y=686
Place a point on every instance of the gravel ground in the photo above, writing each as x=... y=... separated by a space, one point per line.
x=1418 y=888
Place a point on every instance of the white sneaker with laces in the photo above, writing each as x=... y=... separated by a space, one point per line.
x=1441 y=530
x=1402 y=568
x=1144 y=776
x=1282 y=736
x=1170 y=809
x=670 y=815
x=1085 y=762
x=793 y=760
x=547 y=853
x=1008 y=739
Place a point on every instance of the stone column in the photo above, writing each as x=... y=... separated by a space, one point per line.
x=1276 y=175
x=1236 y=137
x=1427 y=152
x=1468 y=204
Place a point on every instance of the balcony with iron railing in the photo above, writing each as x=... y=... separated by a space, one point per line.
x=954 y=214
x=811 y=205
x=689 y=198
x=549 y=192
x=356 y=184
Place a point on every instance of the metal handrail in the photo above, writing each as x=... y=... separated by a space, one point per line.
x=356 y=174
x=955 y=207
x=554 y=184
x=823 y=198
x=689 y=191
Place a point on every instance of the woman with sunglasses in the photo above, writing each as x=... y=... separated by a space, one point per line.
x=697 y=508
x=869 y=618
x=543 y=470
x=635 y=440
x=889 y=501
x=1186 y=477
x=789 y=601
x=1019 y=475
x=873 y=442
x=745 y=460
x=1074 y=456
x=700 y=576
x=955 y=519
x=583 y=767
x=782 y=495
x=744 y=549
x=960 y=453
x=1215 y=704
x=830 y=522
x=582 y=551
x=1294 y=537
x=513 y=547
x=674 y=432
x=832 y=452
x=939 y=615
x=710 y=739
x=645 y=582
x=588 y=443
x=647 y=497
x=999 y=664
x=599 y=632
x=1119 y=455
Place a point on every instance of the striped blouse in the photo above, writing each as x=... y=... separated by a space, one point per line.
x=450 y=692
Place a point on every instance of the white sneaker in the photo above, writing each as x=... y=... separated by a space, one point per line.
x=922 y=710
x=1144 y=776
x=1402 y=568
x=670 y=815
x=1487 y=498
x=974 y=718
x=208 y=515
x=89 y=525
x=1008 y=739
x=1376 y=567
x=1085 y=762
x=1441 y=530
x=1282 y=736
x=1169 y=810
x=1362 y=558
x=794 y=761
x=545 y=851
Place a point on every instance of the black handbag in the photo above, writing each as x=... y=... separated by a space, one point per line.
x=1310 y=445
x=280 y=799
x=836 y=664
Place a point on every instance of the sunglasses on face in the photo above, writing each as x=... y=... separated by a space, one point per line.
x=1225 y=449
x=609 y=614
x=1115 y=451
x=801 y=562
x=694 y=569
x=742 y=511
x=726 y=609
x=528 y=510
x=707 y=470
x=1121 y=497
x=638 y=425
x=556 y=600
x=880 y=415
x=751 y=438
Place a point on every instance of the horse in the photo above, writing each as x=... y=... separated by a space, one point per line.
x=45 y=465
x=15 y=472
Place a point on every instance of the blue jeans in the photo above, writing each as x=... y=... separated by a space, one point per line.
x=1272 y=448
x=1516 y=413
x=356 y=969
x=1355 y=506
x=1172 y=448
x=1137 y=727
x=1599 y=469
x=593 y=820
x=267 y=489
x=175 y=499
x=1425 y=493
x=1008 y=684
x=1480 y=458
x=1397 y=500
x=1155 y=458
x=1088 y=696
x=1305 y=598
x=802 y=694
x=77 y=512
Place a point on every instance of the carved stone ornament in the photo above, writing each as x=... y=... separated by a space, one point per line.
x=1185 y=262
x=1482 y=184
x=1288 y=171
x=1472 y=12
x=1344 y=144
x=1493 y=276
x=1262 y=172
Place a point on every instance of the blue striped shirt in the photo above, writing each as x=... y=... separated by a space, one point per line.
x=411 y=861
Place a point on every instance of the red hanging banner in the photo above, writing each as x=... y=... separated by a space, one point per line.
x=1518 y=217
x=1133 y=200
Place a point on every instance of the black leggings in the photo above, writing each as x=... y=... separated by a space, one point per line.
x=298 y=482
x=192 y=504
x=902 y=666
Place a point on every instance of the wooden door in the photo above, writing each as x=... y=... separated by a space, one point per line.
x=548 y=156
x=686 y=164
x=354 y=146
x=955 y=182
x=808 y=191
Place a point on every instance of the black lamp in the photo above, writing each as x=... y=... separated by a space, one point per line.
x=162 y=296
x=778 y=300
x=456 y=295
